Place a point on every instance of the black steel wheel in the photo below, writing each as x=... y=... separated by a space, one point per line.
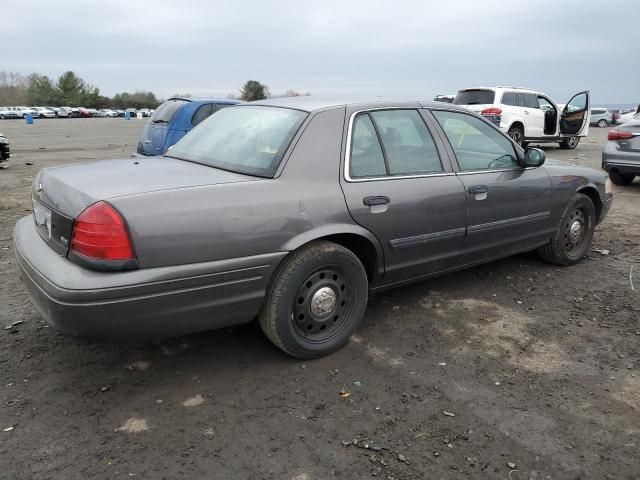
x=574 y=235
x=570 y=143
x=316 y=300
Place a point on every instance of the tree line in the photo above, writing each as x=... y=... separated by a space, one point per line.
x=68 y=90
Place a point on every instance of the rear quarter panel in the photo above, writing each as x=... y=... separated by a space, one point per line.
x=224 y=221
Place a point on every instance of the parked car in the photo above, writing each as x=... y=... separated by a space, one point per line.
x=105 y=112
x=86 y=112
x=5 y=151
x=5 y=113
x=621 y=155
x=529 y=116
x=145 y=112
x=444 y=98
x=293 y=210
x=627 y=116
x=42 y=112
x=601 y=117
x=67 y=112
x=174 y=119
x=22 y=112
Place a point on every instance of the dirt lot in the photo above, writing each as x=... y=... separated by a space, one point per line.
x=515 y=365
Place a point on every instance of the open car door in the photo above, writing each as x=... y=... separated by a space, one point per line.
x=574 y=119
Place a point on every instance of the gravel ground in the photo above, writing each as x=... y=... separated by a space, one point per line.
x=513 y=370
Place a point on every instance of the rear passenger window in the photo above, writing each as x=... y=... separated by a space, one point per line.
x=408 y=145
x=530 y=100
x=220 y=106
x=366 y=158
x=392 y=142
x=203 y=112
x=509 y=98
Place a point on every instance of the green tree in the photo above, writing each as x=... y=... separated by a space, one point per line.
x=72 y=89
x=253 y=90
x=41 y=90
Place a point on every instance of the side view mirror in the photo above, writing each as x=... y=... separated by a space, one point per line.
x=534 y=157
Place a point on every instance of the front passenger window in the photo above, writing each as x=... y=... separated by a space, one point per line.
x=477 y=145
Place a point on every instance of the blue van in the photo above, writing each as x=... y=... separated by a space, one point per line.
x=174 y=119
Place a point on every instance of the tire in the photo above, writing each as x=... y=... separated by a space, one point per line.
x=570 y=143
x=602 y=123
x=322 y=271
x=620 y=179
x=574 y=235
x=517 y=135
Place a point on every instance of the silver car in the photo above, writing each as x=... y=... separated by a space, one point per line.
x=621 y=155
x=293 y=210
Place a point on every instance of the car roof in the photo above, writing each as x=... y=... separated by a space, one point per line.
x=503 y=87
x=312 y=103
x=202 y=100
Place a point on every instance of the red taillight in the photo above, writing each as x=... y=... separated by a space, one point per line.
x=619 y=135
x=100 y=233
x=491 y=111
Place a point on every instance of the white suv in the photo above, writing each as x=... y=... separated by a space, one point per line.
x=529 y=116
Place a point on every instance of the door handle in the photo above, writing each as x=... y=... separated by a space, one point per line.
x=526 y=112
x=478 y=189
x=380 y=200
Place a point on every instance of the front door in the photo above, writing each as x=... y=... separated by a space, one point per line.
x=574 y=119
x=399 y=184
x=508 y=206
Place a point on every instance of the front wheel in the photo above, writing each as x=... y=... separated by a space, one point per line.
x=602 y=123
x=570 y=143
x=316 y=300
x=575 y=233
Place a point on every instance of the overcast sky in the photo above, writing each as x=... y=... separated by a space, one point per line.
x=392 y=48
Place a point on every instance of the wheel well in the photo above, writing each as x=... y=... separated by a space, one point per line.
x=593 y=194
x=361 y=246
x=517 y=124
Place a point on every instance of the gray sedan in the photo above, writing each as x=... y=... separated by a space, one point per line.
x=293 y=211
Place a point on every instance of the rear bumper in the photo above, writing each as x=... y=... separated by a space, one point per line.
x=626 y=162
x=148 y=303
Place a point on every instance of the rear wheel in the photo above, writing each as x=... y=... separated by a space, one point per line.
x=517 y=135
x=570 y=143
x=621 y=179
x=602 y=123
x=316 y=300
x=574 y=235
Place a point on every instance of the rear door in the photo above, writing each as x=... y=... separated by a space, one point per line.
x=534 y=117
x=508 y=206
x=574 y=119
x=399 y=184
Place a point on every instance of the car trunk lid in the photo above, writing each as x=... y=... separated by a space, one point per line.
x=60 y=194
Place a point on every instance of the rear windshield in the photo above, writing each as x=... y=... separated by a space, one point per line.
x=474 y=97
x=165 y=112
x=249 y=140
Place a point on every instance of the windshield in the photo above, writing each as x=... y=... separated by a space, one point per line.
x=165 y=112
x=248 y=139
x=474 y=97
